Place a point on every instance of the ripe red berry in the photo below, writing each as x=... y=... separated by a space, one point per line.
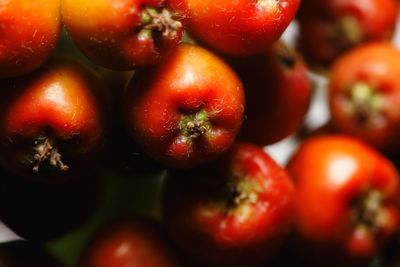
x=187 y=110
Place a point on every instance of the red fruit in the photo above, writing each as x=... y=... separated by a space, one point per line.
x=365 y=94
x=50 y=118
x=330 y=27
x=241 y=27
x=125 y=34
x=236 y=213
x=346 y=200
x=29 y=31
x=130 y=243
x=278 y=93
x=186 y=110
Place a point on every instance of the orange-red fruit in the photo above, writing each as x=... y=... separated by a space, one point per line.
x=54 y=111
x=364 y=94
x=187 y=110
x=346 y=200
x=29 y=31
x=241 y=27
x=125 y=34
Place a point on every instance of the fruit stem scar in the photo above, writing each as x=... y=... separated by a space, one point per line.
x=242 y=191
x=348 y=30
x=195 y=125
x=45 y=150
x=161 y=22
x=368 y=213
x=364 y=103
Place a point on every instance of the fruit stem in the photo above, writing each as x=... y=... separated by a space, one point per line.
x=45 y=150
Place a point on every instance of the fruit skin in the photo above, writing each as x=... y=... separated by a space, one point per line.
x=278 y=93
x=25 y=254
x=329 y=28
x=234 y=213
x=118 y=34
x=129 y=243
x=364 y=94
x=346 y=200
x=239 y=28
x=187 y=110
x=29 y=32
x=59 y=104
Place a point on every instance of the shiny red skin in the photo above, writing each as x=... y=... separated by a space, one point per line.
x=109 y=32
x=200 y=213
x=189 y=81
x=377 y=65
x=241 y=27
x=60 y=101
x=375 y=19
x=278 y=93
x=330 y=173
x=29 y=31
x=130 y=243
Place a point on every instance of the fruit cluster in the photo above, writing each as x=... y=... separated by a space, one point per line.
x=182 y=96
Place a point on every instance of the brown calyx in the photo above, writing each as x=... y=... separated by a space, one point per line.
x=347 y=32
x=367 y=212
x=195 y=125
x=240 y=193
x=365 y=104
x=45 y=150
x=160 y=22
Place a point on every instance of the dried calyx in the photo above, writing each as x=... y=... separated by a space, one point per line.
x=195 y=125
x=347 y=32
x=46 y=151
x=364 y=104
x=367 y=212
x=159 y=21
